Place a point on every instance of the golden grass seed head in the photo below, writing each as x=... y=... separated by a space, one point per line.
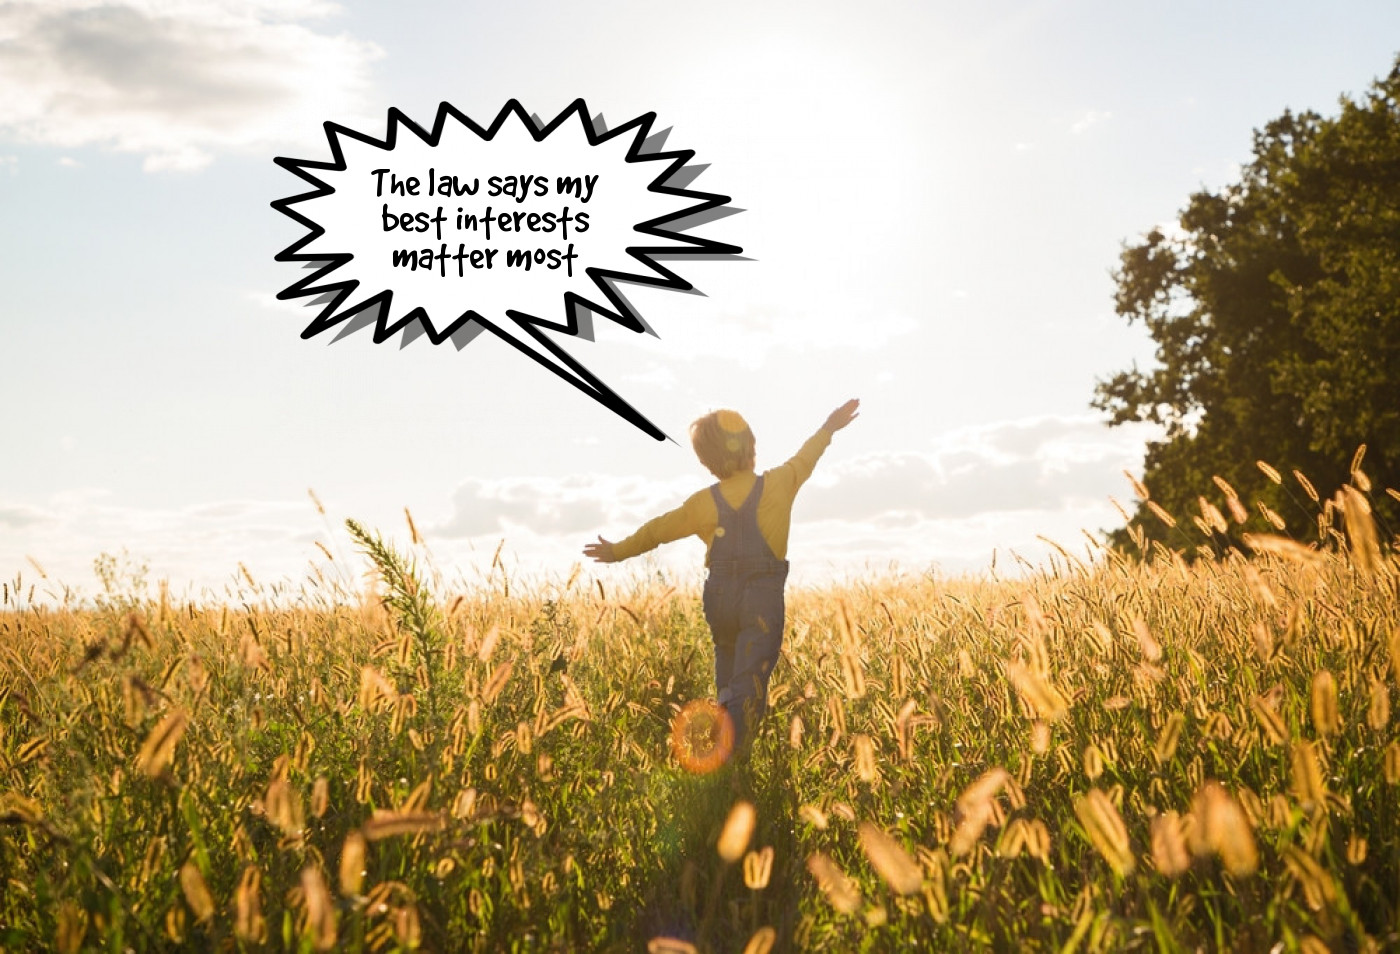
x=1259 y=587
x=1105 y=829
x=408 y=927
x=196 y=892
x=1269 y=472
x=488 y=643
x=417 y=799
x=738 y=829
x=1307 y=777
x=841 y=892
x=864 y=749
x=1161 y=514
x=391 y=824
x=70 y=928
x=890 y=860
x=852 y=675
x=1361 y=531
x=1013 y=838
x=795 y=730
x=321 y=919
x=1037 y=839
x=1394 y=646
x=1391 y=763
x=1042 y=697
x=1263 y=641
x=1040 y=737
x=155 y=853
x=762 y=941
x=1170 y=737
x=249 y=925
x=159 y=748
x=1306 y=485
x=1221 y=826
x=352 y=864
x=1357 y=458
x=1378 y=712
x=1269 y=720
x=758 y=868
x=1319 y=890
x=1169 y=853
x=1093 y=762
x=1356 y=850
x=1151 y=649
x=282 y=804
x=175 y=923
x=1139 y=487
x=1282 y=547
x=1271 y=517
x=972 y=822
x=1212 y=517
x=987 y=786
x=1326 y=719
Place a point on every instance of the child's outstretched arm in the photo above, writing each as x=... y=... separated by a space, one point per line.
x=798 y=468
x=842 y=416
x=602 y=551
x=681 y=522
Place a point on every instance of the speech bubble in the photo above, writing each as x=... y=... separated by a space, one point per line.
x=521 y=228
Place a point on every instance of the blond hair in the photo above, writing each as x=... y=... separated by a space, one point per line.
x=723 y=442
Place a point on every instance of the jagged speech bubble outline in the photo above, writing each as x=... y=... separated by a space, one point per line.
x=403 y=276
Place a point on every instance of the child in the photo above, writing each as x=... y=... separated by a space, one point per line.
x=744 y=522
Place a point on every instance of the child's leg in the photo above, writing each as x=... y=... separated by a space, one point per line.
x=721 y=603
x=756 y=648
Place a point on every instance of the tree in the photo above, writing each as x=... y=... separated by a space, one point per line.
x=1275 y=307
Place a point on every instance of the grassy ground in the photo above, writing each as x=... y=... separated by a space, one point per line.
x=1129 y=756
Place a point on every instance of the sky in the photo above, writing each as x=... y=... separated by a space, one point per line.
x=933 y=197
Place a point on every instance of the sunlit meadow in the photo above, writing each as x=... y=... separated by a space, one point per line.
x=1114 y=752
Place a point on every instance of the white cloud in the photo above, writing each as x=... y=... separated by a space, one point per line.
x=175 y=80
x=749 y=337
x=655 y=376
x=9 y=164
x=995 y=487
x=68 y=162
x=1090 y=118
x=17 y=516
x=193 y=547
x=549 y=506
x=1047 y=464
x=990 y=488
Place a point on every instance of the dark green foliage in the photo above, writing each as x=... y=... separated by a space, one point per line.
x=1276 y=313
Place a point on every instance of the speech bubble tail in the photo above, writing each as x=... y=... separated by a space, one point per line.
x=537 y=345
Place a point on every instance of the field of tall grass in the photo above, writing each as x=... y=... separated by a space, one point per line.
x=1116 y=754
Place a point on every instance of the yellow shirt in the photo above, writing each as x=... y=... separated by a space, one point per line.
x=698 y=515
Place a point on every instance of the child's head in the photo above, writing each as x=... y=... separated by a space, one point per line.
x=723 y=442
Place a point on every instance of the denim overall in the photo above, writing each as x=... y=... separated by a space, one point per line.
x=743 y=600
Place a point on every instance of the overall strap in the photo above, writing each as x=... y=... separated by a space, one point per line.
x=750 y=504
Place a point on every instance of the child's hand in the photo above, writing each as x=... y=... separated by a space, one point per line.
x=842 y=416
x=602 y=551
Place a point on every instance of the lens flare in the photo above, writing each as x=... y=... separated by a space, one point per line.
x=702 y=736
